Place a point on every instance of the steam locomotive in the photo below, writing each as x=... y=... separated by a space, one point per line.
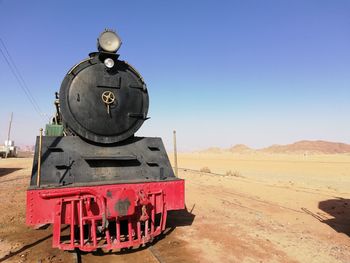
x=92 y=178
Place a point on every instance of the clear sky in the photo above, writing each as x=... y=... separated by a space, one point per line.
x=219 y=72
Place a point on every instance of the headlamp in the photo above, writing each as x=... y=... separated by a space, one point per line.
x=109 y=41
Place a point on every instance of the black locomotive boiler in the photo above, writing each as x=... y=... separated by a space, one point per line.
x=90 y=171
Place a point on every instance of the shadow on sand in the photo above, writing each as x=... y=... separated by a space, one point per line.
x=22 y=249
x=339 y=209
x=6 y=171
x=175 y=219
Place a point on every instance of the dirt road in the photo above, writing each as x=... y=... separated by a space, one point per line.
x=229 y=219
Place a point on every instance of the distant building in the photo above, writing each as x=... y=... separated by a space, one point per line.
x=8 y=149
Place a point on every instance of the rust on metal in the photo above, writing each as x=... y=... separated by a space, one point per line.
x=122 y=206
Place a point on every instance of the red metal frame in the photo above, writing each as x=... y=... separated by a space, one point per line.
x=106 y=216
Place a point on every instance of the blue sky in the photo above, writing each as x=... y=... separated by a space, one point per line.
x=219 y=72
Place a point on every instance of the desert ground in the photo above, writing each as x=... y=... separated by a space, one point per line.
x=249 y=207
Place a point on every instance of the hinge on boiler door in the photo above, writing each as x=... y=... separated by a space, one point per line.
x=140 y=116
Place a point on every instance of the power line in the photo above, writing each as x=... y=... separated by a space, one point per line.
x=18 y=76
x=20 y=83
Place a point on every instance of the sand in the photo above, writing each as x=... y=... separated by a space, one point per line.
x=270 y=208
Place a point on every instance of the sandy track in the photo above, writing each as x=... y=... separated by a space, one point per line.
x=233 y=219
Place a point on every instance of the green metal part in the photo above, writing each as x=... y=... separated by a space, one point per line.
x=54 y=130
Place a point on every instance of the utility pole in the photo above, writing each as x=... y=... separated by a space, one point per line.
x=175 y=155
x=8 y=135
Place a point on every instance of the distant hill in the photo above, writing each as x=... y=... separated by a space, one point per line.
x=212 y=150
x=302 y=147
x=309 y=147
x=240 y=148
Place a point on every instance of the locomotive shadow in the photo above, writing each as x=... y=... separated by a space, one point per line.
x=6 y=171
x=26 y=247
x=339 y=209
x=178 y=218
